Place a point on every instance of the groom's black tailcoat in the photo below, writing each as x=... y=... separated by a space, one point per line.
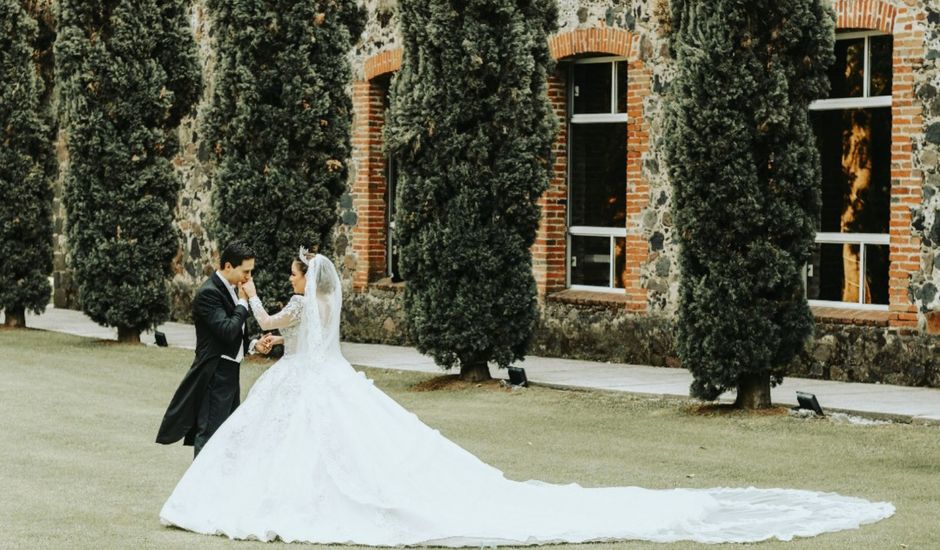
x=218 y=323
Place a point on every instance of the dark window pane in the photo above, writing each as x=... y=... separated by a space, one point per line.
x=620 y=256
x=391 y=195
x=855 y=149
x=592 y=88
x=834 y=274
x=590 y=261
x=813 y=282
x=621 y=86
x=881 y=64
x=876 y=274
x=848 y=72
x=598 y=161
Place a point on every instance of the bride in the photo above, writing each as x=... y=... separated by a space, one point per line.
x=317 y=454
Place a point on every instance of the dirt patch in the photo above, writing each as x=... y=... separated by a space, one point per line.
x=728 y=409
x=452 y=382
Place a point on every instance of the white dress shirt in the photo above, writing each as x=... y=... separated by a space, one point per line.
x=231 y=290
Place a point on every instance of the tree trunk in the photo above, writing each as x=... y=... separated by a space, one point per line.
x=754 y=391
x=474 y=371
x=15 y=317
x=128 y=335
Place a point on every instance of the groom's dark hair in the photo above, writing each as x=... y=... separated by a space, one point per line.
x=235 y=253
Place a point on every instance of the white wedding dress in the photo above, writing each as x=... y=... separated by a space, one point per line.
x=316 y=453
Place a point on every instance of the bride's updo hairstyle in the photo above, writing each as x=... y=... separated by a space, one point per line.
x=309 y=256
x=324 y=284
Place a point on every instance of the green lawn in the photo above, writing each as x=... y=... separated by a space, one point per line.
x=79 y=469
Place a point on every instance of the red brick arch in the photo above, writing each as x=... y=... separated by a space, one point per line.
x=865 y=14
x=382 y=63
x=607 y=40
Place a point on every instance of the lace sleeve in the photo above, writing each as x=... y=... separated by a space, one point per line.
x=288 y=316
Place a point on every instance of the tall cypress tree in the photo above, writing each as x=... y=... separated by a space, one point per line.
x=279 y=126
x=128 y=72
x=746 y=173
x=471 y=127
x=27 y=166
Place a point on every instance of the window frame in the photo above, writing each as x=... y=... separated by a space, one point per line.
x=391 y=193
x=867 y=101
x=612 y=233
x=389 y=173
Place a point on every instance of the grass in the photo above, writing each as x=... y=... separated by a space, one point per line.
x=79 y=468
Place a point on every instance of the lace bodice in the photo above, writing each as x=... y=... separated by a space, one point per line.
x=287 y=320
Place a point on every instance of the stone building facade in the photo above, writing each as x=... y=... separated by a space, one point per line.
x=605 y=257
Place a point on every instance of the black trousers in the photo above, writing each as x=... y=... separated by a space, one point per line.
x=218 y=403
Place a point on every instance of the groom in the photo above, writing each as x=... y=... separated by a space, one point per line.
x=210 y=390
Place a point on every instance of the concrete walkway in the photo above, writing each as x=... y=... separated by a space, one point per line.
x=880 y=400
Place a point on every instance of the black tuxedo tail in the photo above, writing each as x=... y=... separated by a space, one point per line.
x=209 y=392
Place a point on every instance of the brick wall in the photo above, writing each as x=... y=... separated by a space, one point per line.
x=368 y=186
x=906 y=24
x=638 y=188
x=904 y=20
x=651 y=277
x=630 y=30
x=548 y=252
x=368 y=182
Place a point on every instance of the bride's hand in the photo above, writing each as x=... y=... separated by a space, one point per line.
x=270 y=340
x=248 y=288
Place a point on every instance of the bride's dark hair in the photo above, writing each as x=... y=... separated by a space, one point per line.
x=312 y=252
x=302 y=266
x=325 y=285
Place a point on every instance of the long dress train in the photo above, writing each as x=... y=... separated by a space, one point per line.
x=316 y=453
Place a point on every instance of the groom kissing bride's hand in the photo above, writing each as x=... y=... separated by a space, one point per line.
x=210 y=390
x=246 y=290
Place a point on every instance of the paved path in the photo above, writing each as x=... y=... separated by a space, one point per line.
x=915 y=404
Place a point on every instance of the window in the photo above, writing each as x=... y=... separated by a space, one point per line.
x=853 y=133
x=597 y=172
x=391 y=195
x=391 y=244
